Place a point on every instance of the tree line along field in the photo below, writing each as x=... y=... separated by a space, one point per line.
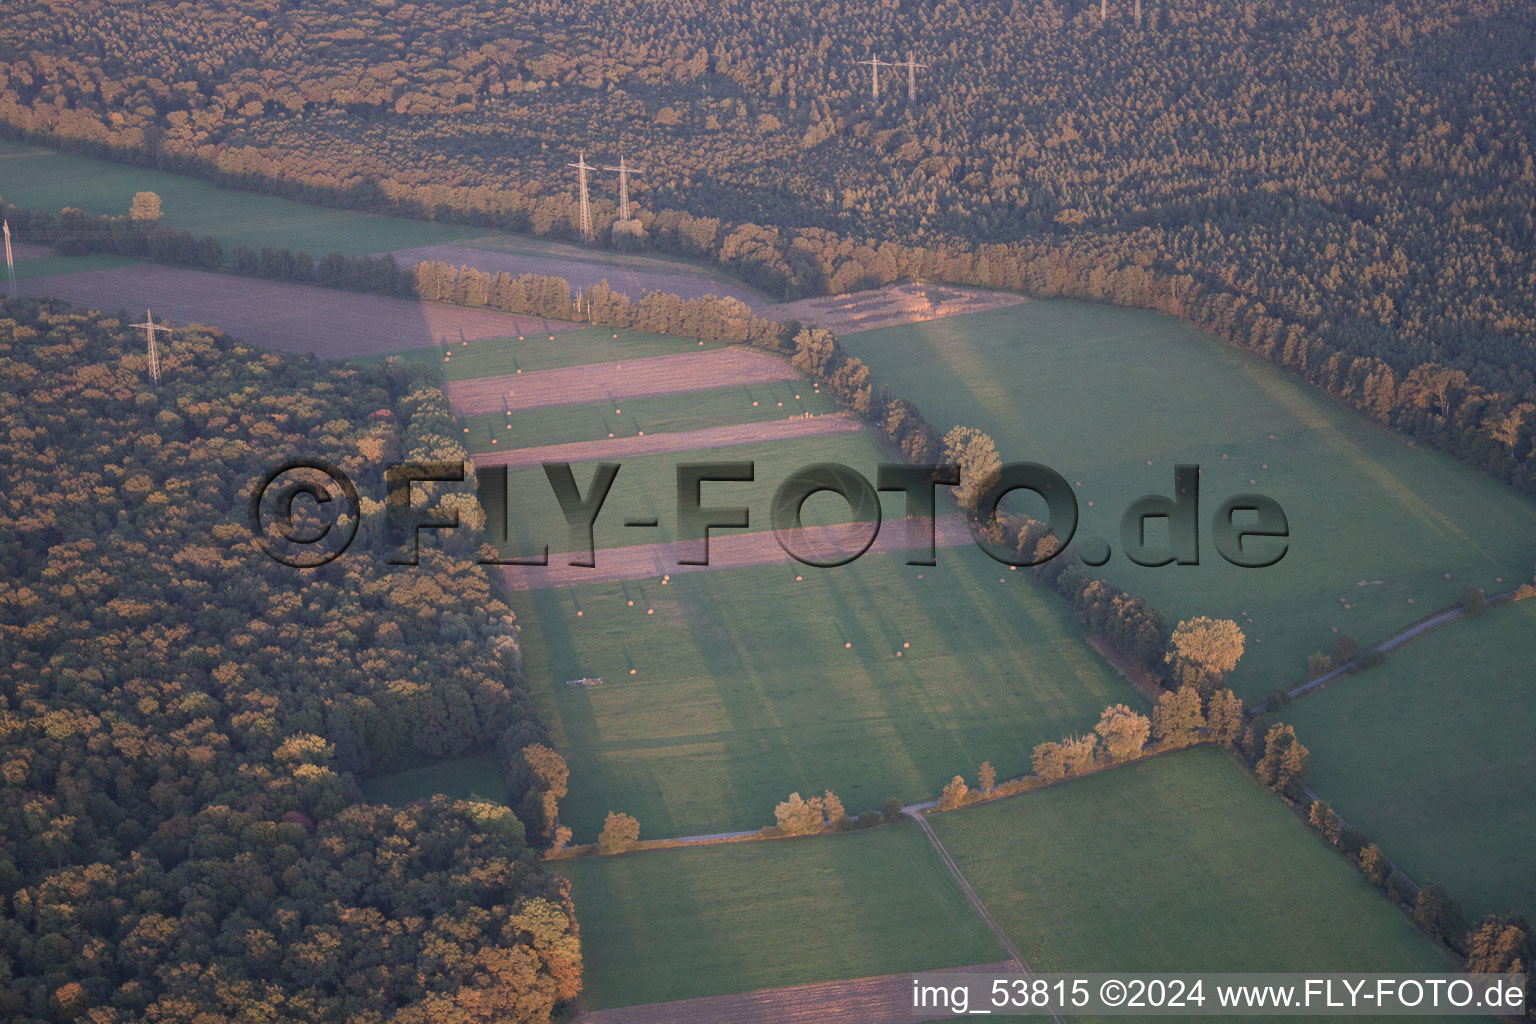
x=684 y=923
x=1170 y=862
x=1431 y=755
x=1113 y=399
x=744 y=689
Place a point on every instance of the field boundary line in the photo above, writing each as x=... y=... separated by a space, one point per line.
x=965 y=887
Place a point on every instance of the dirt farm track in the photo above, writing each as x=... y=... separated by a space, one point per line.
x=287 y=317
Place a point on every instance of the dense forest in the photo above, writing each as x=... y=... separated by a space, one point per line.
x=1362 y=165
x=184 y=720
x=1357 y=176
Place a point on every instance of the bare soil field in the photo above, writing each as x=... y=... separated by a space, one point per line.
x=679 y=441
x=889 y=306
x=289 y=317
x=651 y=375
x=732 y=551
x=884 y=999
x=632 y=275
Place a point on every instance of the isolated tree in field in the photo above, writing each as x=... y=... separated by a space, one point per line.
x=145 y=208
x=1344 y=648
x=1080 y=752
x=1224 y=718
x=1178 y=718
x=1284 y=760
x=986 y=777
x=1050 y=761
x=1125 y=732
x=1317 y=664
x=620 y=832
x=975 y=455
x=1322 y=817
x=797 y=817
x=1374 y=866
x=954 y=794
x=1439 y=915
x=1203 y=650
x=832 y=807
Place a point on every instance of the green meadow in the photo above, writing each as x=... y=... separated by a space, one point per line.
x=44 y=179
x=657 y=414
x=1171 y=862
x=646 y=488
x=1382 y=532
x=542 y=350
x=1431 y=754
x=684 y=923
x=875 y=679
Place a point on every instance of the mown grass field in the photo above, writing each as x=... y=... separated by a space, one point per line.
x=658 y=414
x=1114 y=398
x=1431 y=754
x=1173 y=863
x=43 y=179
x=646 y=487
x=677 y=924
x=536 y=350
x=744 y=689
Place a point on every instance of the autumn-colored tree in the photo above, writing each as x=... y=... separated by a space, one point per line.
x=1203 y=650
x=832 y=809
x=1224 y=718
x=1049 y=761
x=620 y=832
x=797 y=817
x=1178 y=719
x=1374 y=865
x=955 y=794
x=1284 y=760
x=986 y=777
x=1080 y=753
x=1322 y=817
x=145 y=208
x=975 y=455
x=1124 y=731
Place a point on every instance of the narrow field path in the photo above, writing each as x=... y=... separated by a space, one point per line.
x=882 y=999
x=678 y=441
x=981 y=908
x=1418 y=629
